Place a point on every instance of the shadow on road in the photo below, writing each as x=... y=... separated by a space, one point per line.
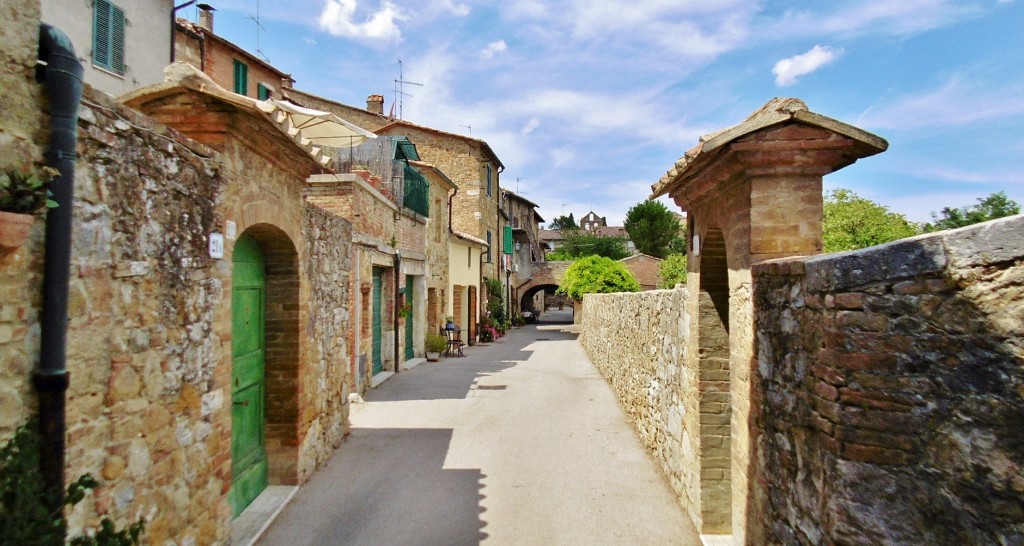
x=415 y=501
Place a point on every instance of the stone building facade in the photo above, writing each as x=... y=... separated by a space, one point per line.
x=230 y=66
x=153 y=311
x=111 y=65
x=522 y=220
x=439 y=285
x=390 y=271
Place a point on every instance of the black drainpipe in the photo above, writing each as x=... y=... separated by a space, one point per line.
x=61 y=75
x=174 y=22
x=398 y=275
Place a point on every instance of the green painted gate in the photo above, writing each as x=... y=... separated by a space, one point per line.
x=409 y=352
x=248 y=304
x=378 y=286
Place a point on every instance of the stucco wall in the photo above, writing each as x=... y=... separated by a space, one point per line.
x=889 y=393
x=147 y=41
x=639 y=342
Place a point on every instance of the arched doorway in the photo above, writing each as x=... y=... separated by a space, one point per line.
x=715 y=398
x=265 y=363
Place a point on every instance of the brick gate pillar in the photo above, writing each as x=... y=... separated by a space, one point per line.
x=757 y=188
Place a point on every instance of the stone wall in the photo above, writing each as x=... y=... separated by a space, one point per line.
x=888 y=393
x=639 y=341
x=149 y=344
x=21 y=122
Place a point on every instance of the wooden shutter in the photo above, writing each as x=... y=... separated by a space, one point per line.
x=116 y=39
x=108 y=36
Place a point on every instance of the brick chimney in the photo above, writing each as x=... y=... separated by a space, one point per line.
x=375 y=104
x=206 y=16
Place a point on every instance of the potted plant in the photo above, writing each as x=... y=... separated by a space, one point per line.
x=22 y=194
x=435 y=344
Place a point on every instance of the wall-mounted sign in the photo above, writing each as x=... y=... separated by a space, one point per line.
x=230 y=230
x=216 y=245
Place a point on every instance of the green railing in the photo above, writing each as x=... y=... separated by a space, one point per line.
x=417 y=192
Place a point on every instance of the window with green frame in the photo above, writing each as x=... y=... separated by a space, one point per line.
x=241 y=77
x=262 y=91
x=108 y=36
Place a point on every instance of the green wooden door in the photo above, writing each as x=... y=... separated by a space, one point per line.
x=378 y=286
x=248 y=304
x=409 y=352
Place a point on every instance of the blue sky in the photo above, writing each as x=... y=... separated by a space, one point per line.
x=588 y=103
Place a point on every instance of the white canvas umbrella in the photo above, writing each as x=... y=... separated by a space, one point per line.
x=312 y=127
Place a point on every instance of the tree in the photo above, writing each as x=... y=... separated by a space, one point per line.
x=652 y=227
x=563 y=222
x=997 y=205
x=597 y=275
x=672 y=271
x=578 y=244
x=852 y=222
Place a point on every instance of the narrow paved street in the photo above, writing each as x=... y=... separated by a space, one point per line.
x=520 y=442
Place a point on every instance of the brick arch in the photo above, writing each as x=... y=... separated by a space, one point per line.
x=545 y=274
x=282 y=356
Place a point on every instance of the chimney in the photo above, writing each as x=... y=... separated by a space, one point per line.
x=375 y=104
x=206 y=16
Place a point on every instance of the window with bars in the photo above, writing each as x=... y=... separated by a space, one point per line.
x=241 y=77
x=108 y=36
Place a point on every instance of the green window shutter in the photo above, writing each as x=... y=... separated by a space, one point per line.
x=241 y=77
x=417 y=192
x=262 y=92
x=508 y=240
x=108 y=36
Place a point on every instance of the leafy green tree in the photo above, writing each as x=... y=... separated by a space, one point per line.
x=997 y=205
x=597 y=275
x=672 y=271
x=852 y=222
x=563 y=222
x=578 y=244
x=652 y=227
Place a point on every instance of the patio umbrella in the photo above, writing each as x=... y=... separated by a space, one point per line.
x=313 y=127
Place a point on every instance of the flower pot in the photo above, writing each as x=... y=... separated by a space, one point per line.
x=14 y=228
x=433 y=357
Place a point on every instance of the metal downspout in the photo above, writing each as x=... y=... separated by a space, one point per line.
x=61 y=75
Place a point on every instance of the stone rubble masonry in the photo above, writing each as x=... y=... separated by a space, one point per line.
x=20 y=272
x=149 y=331
x=638 y=341
x=888 y=393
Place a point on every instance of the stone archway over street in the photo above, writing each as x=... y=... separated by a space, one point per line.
x=547 y=276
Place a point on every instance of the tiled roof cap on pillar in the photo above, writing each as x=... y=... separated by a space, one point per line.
x=847 y=143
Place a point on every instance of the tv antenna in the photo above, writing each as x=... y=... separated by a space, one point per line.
x=259 y=27
x=470 y=127
x=517 y=187
x=400 y=93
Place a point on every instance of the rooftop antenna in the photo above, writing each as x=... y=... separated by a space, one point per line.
x=470 y=127
x=517 y=187
x=259 y=27
x=400 y=93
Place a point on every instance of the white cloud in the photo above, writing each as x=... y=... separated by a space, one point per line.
x=956 y=103
x=459 y=10
x=530 y=126
x=493 y=48
x=338 y=18
x=876 y=17
x=789 y=69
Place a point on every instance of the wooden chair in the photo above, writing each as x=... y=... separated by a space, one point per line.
x=454 y=342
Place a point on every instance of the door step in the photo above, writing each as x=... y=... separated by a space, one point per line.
x=247 y=528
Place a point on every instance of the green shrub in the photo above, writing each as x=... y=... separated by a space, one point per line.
x=672 y=271
x=24 y=514
x=596 y=275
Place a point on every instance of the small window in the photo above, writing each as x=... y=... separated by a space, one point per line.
x=108 y=36
x=241 y=77
x=469 y=257
x=488 y=246
x=489 y=175
x=262 y=91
